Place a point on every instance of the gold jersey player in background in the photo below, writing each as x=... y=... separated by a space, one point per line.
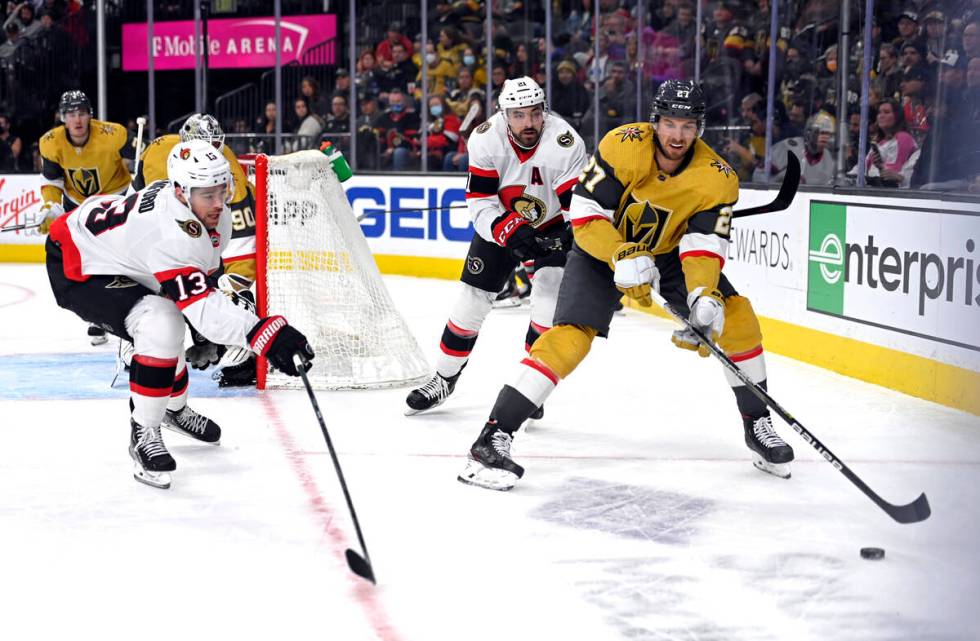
x=652 y=208
x=82 y=158
x=237 y=365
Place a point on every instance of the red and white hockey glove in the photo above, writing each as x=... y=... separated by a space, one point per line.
x=511 y=230
x=277 y=340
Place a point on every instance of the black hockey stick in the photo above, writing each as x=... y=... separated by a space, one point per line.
x=787 y=191
x=359 y=565
x=917 y=510
x=20 y=227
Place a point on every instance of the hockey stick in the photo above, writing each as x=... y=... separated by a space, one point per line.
x=372 y=212
x=917 y=510
x=359 y=565
x=140 y=123
x=20 y=227
x=787 y=191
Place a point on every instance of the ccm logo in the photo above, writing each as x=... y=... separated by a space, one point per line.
x=261 y=340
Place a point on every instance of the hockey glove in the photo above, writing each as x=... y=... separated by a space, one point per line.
x=707 y=315
x=49 y=212
x=277 y=340
x=203 y=353
x=511 y=230
x=635 y=272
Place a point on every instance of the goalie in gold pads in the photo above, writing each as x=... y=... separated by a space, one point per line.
x=652 y=208
x=239 y=258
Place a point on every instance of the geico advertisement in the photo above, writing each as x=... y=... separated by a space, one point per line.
x=907 y=269
x=20 y=203
x=412 y=215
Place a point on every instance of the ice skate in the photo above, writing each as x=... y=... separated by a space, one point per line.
x=770 y=453
x=97 y=335
x=153 y=462
x=489 y=464
x=189 y=423
x=432 y=394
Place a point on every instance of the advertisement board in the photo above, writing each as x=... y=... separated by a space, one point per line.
x=232 y=42
x=20 y=203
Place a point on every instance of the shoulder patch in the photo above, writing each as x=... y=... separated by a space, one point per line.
x=191 y=227
x=48 y=137
x=484 y=128
x=629 y=134
x=566 y=139
x=722 y=168
x=108 y=129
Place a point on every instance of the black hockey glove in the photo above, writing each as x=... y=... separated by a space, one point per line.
x=277 y=340
x=512 y=231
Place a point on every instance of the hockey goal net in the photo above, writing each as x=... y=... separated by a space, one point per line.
x=315 y=268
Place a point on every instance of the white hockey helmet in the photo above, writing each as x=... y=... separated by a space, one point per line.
x=521 y=92
x=197 y=164
x=203 y=127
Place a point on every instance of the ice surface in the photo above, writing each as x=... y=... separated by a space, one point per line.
x=640 y=516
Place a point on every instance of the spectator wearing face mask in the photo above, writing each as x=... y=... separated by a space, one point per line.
x=398 y=131
x=443 y=136
x=440 y=72
x=476 y=65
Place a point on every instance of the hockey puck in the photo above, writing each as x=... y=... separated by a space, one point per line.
x=872 y=554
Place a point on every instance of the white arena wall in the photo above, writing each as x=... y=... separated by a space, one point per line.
x=883 y=289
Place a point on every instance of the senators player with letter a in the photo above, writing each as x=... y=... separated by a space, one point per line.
x=652 y=209
x=142 y=264
x=524 y=163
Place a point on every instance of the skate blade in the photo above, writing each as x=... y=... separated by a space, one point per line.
x=507 y=302
x=98 y=340
x=159 y=480
x=782 y=470
x=488 y=478
x=411 y=411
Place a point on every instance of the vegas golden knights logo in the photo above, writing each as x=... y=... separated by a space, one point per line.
x=643 y=223
x=86 y=180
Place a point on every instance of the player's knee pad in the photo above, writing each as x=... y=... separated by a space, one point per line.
x=471 y=308
x=742 y=333
x=157 y=327
x=544 y=296
x=562 y=348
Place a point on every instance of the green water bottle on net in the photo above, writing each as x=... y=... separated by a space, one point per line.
x=337 y=161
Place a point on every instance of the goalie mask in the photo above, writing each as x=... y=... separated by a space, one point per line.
x=518 y=99
x=203 y=127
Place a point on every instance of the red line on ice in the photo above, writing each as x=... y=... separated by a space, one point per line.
x=27 y=294
x=364 y=593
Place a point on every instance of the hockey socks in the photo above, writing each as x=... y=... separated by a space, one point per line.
x=534 y=332
x=151 y=382
x=455 y=348
x=516 y=403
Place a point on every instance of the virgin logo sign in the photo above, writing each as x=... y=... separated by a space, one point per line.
x=232 y=42
x=20 y=199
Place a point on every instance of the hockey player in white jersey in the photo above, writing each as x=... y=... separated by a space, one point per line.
x=140 y=265
x=524 y=162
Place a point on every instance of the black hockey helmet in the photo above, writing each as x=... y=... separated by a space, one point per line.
x=74 y=100
x=680 y=99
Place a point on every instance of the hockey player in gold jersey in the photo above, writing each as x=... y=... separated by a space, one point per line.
x=82 y=158
x=652 y=209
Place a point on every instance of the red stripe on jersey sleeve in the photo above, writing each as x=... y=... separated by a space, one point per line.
x=474 y=194
x=486 y=173
x=703 y=253
x=170 y=274
x=565 y=186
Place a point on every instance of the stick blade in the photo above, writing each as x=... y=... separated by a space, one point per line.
x=916 y=511
x=359 y=566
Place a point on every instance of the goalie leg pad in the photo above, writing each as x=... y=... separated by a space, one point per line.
x=562 y=348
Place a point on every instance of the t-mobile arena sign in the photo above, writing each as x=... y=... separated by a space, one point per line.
x=232 y=42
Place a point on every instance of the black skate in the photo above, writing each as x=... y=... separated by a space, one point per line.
x=153 y=462
x=189 y=423
x=770 y=453
x=538 y=414
x=97 y=335
x=489 y=464
x=432 y=394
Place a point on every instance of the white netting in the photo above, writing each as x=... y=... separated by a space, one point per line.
x=321 y=276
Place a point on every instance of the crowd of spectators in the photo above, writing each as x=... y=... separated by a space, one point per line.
x=924 y=97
